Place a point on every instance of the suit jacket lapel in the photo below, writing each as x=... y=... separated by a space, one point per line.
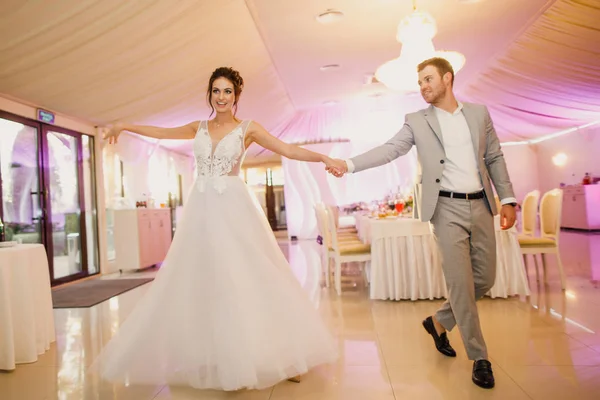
x=434 y=123
x=473 y=128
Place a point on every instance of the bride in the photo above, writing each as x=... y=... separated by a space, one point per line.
x=225 y=310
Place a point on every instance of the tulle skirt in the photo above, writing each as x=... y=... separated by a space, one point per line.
x=225 y=310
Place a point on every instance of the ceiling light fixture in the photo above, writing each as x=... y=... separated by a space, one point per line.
x=330 y=16
x=415 y=32
x=329 y=67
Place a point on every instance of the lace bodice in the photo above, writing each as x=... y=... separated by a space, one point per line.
x=219 y=158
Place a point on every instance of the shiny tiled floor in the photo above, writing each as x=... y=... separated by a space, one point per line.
x=543 y=347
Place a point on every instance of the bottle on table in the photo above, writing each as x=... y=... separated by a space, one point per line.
x=587 y=179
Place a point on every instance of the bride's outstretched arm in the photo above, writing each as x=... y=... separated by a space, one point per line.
x=259 y=135
x=181 y=132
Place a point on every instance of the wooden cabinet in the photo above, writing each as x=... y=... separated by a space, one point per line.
x=142 y=237
x=581 y=207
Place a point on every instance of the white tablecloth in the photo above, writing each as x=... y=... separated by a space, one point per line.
x=26 y=315
x=405 y=263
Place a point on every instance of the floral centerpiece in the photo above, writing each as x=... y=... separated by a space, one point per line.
x=409 y=203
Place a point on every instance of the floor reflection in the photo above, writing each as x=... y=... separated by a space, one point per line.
x=546 y=346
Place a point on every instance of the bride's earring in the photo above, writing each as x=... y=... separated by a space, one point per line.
x=295 y=379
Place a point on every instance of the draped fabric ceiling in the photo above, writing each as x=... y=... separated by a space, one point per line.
x=549 y=78
x=534 y=63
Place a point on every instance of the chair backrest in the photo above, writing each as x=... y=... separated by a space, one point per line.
x=333 y=237
x=529 y=212
x=333 y=210
x=550 y=214
x=322 y=223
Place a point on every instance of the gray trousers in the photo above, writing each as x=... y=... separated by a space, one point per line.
x=466 y=240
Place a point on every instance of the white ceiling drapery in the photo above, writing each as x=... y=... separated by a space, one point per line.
x=535 y=63
x=549 y=78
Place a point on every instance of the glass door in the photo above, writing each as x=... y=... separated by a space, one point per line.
x=48 y=194
x=66 y=227
x=20 y=186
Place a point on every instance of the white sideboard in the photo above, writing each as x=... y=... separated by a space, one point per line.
x=581 y=207
x=142 y=237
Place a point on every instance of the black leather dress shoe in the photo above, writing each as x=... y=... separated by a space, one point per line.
x=482 y=374
x=442 y=344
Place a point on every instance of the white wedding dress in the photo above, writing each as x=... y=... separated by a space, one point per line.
x=225 y=310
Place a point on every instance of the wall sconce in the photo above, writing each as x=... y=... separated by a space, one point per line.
x=559 y=159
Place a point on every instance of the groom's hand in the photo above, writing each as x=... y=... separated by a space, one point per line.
x=337 y=167
x=508 y=216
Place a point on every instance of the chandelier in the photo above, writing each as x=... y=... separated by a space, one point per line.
x=415 y=32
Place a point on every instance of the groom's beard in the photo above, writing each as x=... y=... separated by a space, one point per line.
x=436 y=96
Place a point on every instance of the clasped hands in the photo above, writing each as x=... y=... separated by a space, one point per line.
x=336 y=167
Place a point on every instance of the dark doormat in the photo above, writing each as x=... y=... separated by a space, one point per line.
x=89 y=293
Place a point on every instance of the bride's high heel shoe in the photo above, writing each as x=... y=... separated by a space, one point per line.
x=295 y=379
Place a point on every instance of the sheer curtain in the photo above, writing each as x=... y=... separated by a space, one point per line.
x=148 y=170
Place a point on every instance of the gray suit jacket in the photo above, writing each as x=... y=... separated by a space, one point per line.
x=423 y=130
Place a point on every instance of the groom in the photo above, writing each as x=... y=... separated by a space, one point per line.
x=458 y=153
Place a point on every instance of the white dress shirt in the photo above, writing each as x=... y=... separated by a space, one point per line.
x=460 y=173
x=460 y=169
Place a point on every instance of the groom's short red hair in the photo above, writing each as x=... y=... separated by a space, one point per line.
x=442 y=65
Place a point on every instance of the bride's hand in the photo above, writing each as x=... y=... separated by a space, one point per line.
x=113 y=133
x=335 y=167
